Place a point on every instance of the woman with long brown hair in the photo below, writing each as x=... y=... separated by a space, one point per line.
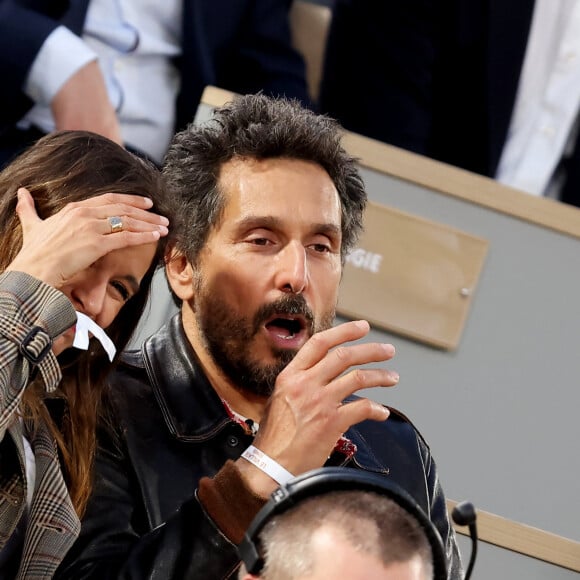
x=82 y=230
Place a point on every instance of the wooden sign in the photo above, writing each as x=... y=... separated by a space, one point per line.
x=412 y=276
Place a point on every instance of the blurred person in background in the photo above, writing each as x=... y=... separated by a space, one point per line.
x=134 y=70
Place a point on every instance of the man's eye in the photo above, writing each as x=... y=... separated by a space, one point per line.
x=260 y=241
x=122 y=290
x=321 y=248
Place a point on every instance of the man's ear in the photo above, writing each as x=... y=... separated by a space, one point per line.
x=179 y=274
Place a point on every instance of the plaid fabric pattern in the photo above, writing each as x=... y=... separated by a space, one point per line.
x=31 y=315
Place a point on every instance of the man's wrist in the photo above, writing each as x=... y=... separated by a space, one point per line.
x=61 y=56
x=255 y=479
x=267 y=465
x=229 y=501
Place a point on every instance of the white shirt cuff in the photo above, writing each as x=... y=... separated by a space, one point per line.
x=61 y=56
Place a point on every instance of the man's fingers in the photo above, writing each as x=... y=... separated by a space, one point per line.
x=25 y=209
x=360 y=378
x=344 y=357
x=362 y=410
x=318 y=345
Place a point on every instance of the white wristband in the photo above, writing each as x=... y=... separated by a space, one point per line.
x=267 y=465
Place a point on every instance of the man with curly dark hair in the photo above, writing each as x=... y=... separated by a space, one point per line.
x=250 y=383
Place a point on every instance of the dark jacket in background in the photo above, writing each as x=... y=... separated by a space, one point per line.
x=437 y=78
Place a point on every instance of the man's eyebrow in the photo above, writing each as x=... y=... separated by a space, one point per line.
x=273 y=223
x=258 y=221
x=327 y=229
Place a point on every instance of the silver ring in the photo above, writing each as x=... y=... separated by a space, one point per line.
x=116 y=224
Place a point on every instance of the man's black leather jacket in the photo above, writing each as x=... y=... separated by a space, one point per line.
x=171 y=429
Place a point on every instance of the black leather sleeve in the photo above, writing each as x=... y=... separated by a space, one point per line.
x=440 y=515
x=115 y=542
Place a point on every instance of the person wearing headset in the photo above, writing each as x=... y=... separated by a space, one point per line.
x=340 y=523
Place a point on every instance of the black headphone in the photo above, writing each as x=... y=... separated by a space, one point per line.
x=325 y=479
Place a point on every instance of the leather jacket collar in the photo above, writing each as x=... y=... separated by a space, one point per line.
x=191 y=408
x=180 y=385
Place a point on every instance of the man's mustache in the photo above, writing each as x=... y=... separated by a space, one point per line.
x=290 y=305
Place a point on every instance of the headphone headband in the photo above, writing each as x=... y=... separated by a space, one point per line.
x=325 y=479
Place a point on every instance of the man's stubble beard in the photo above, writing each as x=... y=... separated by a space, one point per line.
x=228 y=338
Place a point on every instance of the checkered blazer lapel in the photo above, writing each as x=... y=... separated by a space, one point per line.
x=53 y=524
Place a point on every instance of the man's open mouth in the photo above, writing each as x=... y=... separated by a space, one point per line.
x=286 y=327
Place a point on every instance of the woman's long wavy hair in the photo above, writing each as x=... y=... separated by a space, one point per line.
x=61 y=168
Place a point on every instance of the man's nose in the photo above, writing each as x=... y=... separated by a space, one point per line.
x=292 y=274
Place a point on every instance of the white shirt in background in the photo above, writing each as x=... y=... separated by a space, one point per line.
x=135 y=42
x=545 y=116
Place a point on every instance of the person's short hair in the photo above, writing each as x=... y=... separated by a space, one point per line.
x=255 y=127
x=367 y=509
x=375 y=524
